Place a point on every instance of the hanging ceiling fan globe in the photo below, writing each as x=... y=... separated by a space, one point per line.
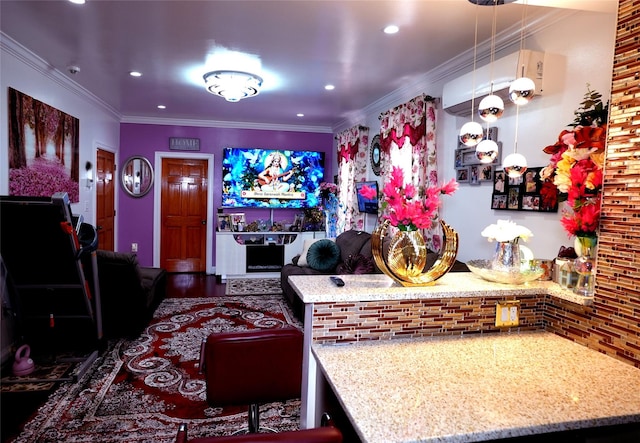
x=471 y=134
x=487 y=151
x=491 y=108
x=514 y=165
x=522 y=90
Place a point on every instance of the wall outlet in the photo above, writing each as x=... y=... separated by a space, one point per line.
x=508 y=313
x=134 y=247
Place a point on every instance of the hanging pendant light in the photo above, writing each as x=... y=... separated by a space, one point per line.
x=471 y=132
x=522 y=89
x=515 y=164
x=491 y=107
x=487 y=150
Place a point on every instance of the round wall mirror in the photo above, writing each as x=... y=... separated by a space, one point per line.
x=137 y=176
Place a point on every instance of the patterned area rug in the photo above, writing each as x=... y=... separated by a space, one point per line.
x=140 y=390
x=253 y=286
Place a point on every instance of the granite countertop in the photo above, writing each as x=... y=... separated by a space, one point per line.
x=478 y=387
x=375 y=287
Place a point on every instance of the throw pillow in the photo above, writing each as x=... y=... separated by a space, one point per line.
x=356 y=264
x=302 y=260
x=323 y=255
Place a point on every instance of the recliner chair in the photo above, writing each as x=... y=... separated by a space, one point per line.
x=252 y=367
x=324 y=434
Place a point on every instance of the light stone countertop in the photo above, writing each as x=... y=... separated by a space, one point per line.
x=478 y=387
x=377 y=287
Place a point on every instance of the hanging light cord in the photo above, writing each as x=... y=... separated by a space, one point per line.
x=522 y=33
x=493 y=40
x=515 y=144
x=473 y=78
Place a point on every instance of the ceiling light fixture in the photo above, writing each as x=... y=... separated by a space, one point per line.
x=471 y=132
x=522 y=89
x=391 y=29
x=521 y=92
x=233 y=86
x=491 y=107
x=329 y=87
x=135 y=74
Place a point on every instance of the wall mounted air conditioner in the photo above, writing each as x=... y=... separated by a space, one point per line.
x=457 y=94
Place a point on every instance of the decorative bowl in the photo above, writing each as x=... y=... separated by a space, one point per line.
x=482 y=268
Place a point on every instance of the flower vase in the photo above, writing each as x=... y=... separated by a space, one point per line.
x=506 y=257
x=585 y=265
x=407 y=255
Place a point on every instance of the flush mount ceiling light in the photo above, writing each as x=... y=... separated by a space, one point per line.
x=233 y=86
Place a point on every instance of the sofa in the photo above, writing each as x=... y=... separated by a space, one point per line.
x=354 y=257
x=129 y=293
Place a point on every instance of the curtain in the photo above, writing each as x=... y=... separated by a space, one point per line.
x=408 y=141
x=352 y=168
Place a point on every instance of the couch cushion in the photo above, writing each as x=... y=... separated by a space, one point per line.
x=356 y=264
x=351 y=242
x=323 y=255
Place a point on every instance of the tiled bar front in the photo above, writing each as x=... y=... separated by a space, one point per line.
x=370 y=309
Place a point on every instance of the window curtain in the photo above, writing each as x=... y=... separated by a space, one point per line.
x=352 y=168
x=408 y=140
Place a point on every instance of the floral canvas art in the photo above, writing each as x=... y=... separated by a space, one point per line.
x=44 y=149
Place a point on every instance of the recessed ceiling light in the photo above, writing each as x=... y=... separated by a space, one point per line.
x=300 y=114
x=162 y=107
x=329 y=87
x=135 y=74
x=391 y=29
x=77 y=2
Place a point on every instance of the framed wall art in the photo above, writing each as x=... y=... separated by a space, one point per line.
x=224 y=222
x=526 y=193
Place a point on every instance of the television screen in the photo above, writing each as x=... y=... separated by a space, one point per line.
x=269 y=178
x=364 y=204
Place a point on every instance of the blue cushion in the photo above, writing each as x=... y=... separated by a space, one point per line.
x=323 y=255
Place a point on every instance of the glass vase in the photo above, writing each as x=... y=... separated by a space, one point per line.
x=585 y=265
x=407 y=253
x=507 y=257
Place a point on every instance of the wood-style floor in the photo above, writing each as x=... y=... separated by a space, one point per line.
x=17 y=408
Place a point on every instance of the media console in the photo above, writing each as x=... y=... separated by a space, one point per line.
x=258 y=254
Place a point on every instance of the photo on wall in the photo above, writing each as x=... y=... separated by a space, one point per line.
x=44 y=149
x=528 y=192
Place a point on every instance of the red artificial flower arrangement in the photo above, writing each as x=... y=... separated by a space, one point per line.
x=576 y=165
x=410 y=209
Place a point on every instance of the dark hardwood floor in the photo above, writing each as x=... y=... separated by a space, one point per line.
x=17 y=408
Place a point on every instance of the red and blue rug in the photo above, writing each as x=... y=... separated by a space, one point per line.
x=140 y=390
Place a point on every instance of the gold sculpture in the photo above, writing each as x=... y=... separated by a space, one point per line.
x=393 y=268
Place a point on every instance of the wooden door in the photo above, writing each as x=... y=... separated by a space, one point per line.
x=183 y=215
x=105 y=199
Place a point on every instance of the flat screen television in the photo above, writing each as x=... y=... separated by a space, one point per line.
x=369 y=206
x=270 y=178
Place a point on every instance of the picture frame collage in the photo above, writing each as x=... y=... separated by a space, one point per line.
x=525 y=193
x=469 y=170
x=231 y=222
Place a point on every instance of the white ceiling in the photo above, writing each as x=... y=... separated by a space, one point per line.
x=303 y=45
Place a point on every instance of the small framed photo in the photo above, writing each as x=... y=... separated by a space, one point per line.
x=499 y=182
x=238 y=221
x=462 y=174
x=297 y=223
x=474 y=175
x=224 y=222
x=486 y=173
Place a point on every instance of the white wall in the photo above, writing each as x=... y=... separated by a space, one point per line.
x=99 y=127
x=580 y=51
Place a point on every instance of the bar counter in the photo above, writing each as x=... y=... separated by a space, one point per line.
x=477 y=387
x=376 y=287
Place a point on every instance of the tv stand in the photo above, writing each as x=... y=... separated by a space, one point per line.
x=257 y=254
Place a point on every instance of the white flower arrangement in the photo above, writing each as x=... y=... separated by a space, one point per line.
x=506 y=231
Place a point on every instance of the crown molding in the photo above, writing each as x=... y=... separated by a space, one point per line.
x=224 y=124
x=38 y=64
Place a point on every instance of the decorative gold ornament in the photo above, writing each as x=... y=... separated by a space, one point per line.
x=397 y=268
